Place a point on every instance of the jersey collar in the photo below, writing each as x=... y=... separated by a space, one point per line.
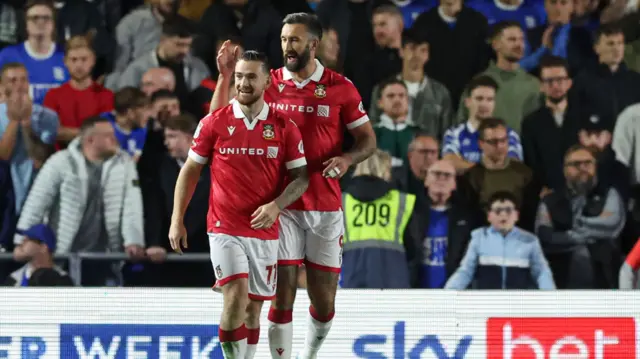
x=237 y=113
x=315 y=76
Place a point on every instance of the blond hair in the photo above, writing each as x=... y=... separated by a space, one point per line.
x=377 y=165
x=79 y=42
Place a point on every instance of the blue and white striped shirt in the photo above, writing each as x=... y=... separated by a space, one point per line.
x=462 y=140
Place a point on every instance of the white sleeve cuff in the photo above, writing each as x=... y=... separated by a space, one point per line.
x=296 y=163
x=359 y=122
x=196 y=157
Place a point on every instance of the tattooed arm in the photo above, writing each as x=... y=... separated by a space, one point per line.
x=296 y=187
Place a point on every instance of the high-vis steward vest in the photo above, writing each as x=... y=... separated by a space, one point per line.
x=373 y=244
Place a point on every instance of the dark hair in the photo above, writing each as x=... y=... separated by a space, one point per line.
x=184 y=123
x=607 y=30
x=128 y=98
x=390 y=81
x=10 y=66
x=502 y=196
x=578 y=147
x=90 y=122
x=251 y=55
x=499 y=27
x=550 y=61
x=481 y=81
x=177 y=27
x=389 y=9
x=163 y=94
x=490 y=124
x=310 y=21
x=413 y=37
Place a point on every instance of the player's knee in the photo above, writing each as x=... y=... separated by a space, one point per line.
x=235 y=296
x=254 y=308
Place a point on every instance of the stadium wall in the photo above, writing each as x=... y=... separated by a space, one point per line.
x=179 y=324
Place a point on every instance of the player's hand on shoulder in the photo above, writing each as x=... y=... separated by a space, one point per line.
x=336 y=167
x=265 y=216
x=227 y=58
x=178 y=236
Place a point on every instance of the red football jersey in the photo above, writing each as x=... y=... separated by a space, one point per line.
x=321 y=107
x=249 y=160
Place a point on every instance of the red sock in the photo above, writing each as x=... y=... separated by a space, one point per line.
x=234 y=341
x=253 y=336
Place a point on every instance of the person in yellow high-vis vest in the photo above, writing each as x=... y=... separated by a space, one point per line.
x=382 y=235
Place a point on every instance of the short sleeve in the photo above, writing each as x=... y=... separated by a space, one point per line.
x=203 y=141
x=353 y=113
x=450 y=143
x=294 y=149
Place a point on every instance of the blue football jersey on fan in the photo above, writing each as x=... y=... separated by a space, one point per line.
x=528 y=14
x=45 y=71
x=434 y=272
x=132 y=141
x=412 y=8
x=462 y=140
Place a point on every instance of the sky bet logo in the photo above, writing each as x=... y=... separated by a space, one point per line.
x=105 y=341
x=373 y=346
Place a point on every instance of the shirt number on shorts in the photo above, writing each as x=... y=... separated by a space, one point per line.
x=272 y=273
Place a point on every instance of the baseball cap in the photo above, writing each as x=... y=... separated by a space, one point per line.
x=42 y=233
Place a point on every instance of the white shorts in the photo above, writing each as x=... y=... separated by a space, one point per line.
x=235 y=257
x=312 y=237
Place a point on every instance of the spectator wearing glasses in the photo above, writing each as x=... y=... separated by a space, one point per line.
x=447 y=227
x=423 y=152
x=553 y=128
x=579 y=227
x=503 y=256
x=497 y=172
x=40 y=55
x=460 y=143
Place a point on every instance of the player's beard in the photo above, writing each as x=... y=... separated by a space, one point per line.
x=80 y=77
x=302 y=59
x=247 y=99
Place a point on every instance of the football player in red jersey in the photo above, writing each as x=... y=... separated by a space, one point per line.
x=322 y=103
x=249 y=146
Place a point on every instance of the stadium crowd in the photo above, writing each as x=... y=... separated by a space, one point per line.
x=508 y=136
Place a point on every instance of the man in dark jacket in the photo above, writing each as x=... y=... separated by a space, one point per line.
x=579 y=227
x=457 y=37
x=423 y=152
x=605 y=90
x=548 y=132
x=446 y=226
x=178 y=136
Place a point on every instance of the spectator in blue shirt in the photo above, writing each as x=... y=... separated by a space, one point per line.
x=27 y=130
x=503 y=256
x=129 y=120
x=460 y=143
x=39 y=54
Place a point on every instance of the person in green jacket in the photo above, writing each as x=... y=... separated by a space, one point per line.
x=392 y=131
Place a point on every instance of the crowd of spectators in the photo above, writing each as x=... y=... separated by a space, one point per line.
x=507 y=128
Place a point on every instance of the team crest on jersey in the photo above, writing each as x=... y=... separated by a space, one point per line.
x=58 y=73
x=280 y=87
x=268 y=133
x=320 y=91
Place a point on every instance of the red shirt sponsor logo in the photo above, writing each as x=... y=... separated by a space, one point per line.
x=561 y=338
